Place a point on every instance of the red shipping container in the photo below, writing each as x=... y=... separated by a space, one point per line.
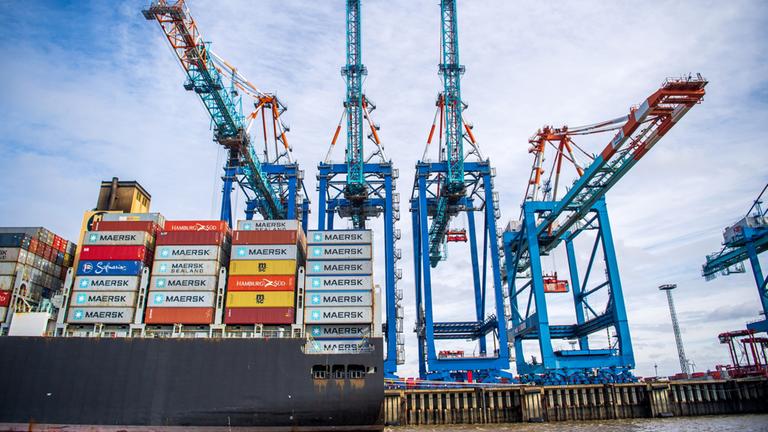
x=181 y=315
x=190 y=238
x=203 y=225
x=147 y=226
x=5 y=298
x=261 y=283
x=33 y=245
x=265 y=237
x=275 y=315
x=117 y=253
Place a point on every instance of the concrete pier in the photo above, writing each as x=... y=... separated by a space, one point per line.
x=511 y=404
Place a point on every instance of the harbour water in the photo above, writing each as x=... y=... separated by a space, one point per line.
x=730 y=423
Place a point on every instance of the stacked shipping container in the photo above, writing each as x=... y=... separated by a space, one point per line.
x=111 y=260
x=339 y=290
x=262 y=274
x=185 y=276
x=39 y=256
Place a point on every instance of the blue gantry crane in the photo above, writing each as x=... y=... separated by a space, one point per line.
x=363 y=187
x=456 y=183
x=272 y=182
x=548 y=219
x=744 y=240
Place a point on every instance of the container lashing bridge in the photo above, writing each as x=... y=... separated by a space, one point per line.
x=552 y=215
x=745 y=240
x=271 y=182
x=363 y=187
x=457 y=183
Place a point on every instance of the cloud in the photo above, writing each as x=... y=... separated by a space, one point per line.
x=84 y=103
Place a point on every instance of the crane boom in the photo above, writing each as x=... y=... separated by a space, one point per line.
x=636 y=133
x=353 y=72
x=222 y=103
x=453 y=186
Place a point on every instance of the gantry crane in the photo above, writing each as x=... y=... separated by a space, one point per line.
x=550 y=217
x=746 y=239
x=456 y=183
x=271 y=182
x=363 y=187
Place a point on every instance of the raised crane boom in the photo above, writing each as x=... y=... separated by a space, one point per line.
x=223 y=105
x=637 y=133
x=453 y=186
x=353 y=72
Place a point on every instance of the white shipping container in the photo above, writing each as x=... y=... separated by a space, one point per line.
x=115 y=238
x=338 y=283
x=124 y=217
x=271 y=225
x=264 y=252
x=86 y=315
x=189 y=253
x=339 y=298
x=183 y=283
x=339 y=331
x=103 y=299
x=339 y=252
x=340 y=315
x=181 y=299
x=186 y=268
x=340 y=237
x=10 y=268
x=6 y=283
x=319 y=268
x=106 y=283
x=9 y=254
x=345 y=346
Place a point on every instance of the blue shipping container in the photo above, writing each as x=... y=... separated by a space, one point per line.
x=13 y=240
x=109 y=268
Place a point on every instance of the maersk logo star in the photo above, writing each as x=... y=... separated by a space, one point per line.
x=315 y=299
x=317 y=251
x=315 y=315
x=159 y=299
x=83 y=283
x=163 y=268
x=160 y=283
x=318 y=237
x=93 y=237
x=164 y=253
x=316 y=283
x=241 y=252
x=78 y=314
x=316 y=331
x=81 y=298
x=316 y=267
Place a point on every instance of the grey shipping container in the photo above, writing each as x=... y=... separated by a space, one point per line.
x=78 y=315
x=339 y=298
x=103 y=299
x=340 y=237
x=181 y=299
x=343 y=252
x=339 y=331
x=264 y=252
x=271 y=225
x=315 y=268
x=183 y=283
x=192 y=253
x=106 y=283
x=338 y=283
x=186 y=268
x=340 y=315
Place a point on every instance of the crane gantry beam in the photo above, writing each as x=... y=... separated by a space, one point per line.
x=205 y=76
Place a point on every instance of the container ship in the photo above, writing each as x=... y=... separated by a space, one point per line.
x=157 y=323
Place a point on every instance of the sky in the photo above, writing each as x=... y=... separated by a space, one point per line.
x=91 y=90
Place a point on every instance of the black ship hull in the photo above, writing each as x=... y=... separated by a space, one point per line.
x=185 y=382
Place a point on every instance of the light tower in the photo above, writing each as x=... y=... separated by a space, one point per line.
x=676 y=328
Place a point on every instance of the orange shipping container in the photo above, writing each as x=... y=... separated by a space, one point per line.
x=180 y=315
x=261 y=283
